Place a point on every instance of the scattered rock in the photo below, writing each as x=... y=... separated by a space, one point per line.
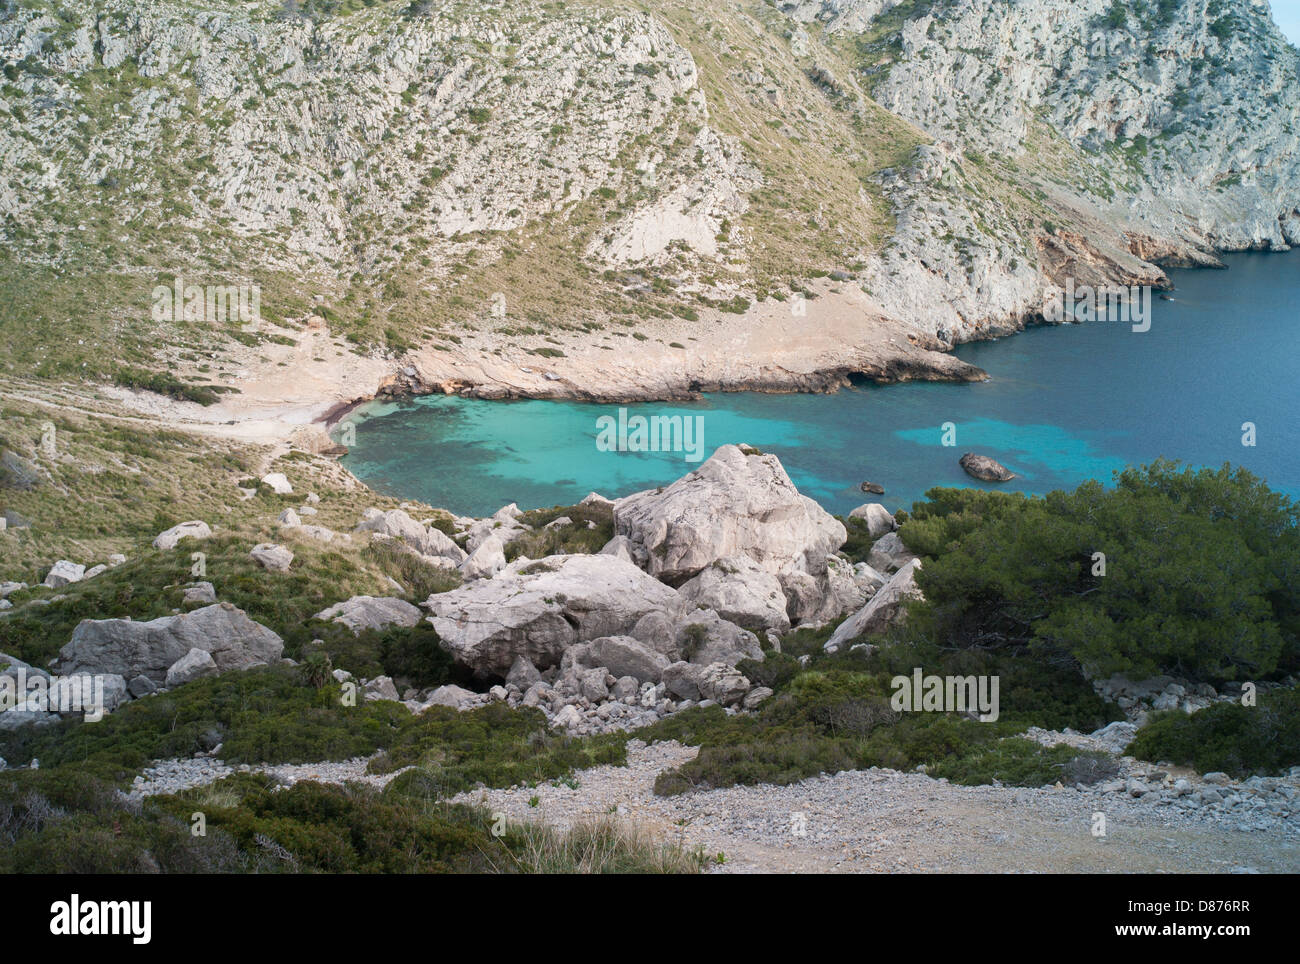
x=568 y=717
x=621 y=547
x=1115 y=737
x=194 y=529
x=64 y=573
x=131 y=649
x=523 y=674
x=539 y=609
x=371 y=612
x=723 y=684
x=278 y=482
x=379 y=688
x=199 y=592
x=271 y=556
x=141 y=686
x=884 y=609
x=878 y=519
x=888 y=554
x=396 y=524
x=705 y=637
x=485 y=561
x=625 y=656
x=195 y=664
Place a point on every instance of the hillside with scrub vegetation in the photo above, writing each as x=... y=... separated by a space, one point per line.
x=402 y=172
x=224 y=224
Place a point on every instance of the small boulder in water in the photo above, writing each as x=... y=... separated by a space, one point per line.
x=984 y=468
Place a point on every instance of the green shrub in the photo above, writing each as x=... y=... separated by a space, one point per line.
x=66 y=821
x=259 y=716
x=494 y=745
x=152 y=584
x=162 y=384
x=1202 y=574
x=419 y=578
x=1235 y=739
x=578 y=537
x=1023 y=763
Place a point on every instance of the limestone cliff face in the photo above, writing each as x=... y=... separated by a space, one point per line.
x=1162 y=135
x=406 y=164
x=1188 y=112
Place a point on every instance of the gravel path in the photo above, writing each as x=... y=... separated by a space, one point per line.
x=866 y=821
x=173 y=776
x=886 y=821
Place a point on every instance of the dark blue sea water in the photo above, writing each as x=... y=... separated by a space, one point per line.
x=1064 y=404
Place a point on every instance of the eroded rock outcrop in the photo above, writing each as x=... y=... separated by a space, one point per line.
x=885 y=608
x=425 y=540
x=539 y=609
x=738 y=505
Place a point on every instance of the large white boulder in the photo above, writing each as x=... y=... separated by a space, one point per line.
x=485 y=561
x=539 y=609
x=739 y=590
x=505 y=529
x=278 y=482
x=195 y=664
x=877 y=518
x=705 y=637
x=271 y=556
x=735 y=504
x=64 y=573
x=621 y=656
x=888 y=554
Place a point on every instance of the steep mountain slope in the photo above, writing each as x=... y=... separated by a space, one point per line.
x=505 y=181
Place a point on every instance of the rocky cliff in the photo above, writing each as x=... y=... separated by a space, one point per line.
x=528 y=175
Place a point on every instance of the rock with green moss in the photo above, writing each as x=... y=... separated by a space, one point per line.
x=705 y=637
x=877 y=518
